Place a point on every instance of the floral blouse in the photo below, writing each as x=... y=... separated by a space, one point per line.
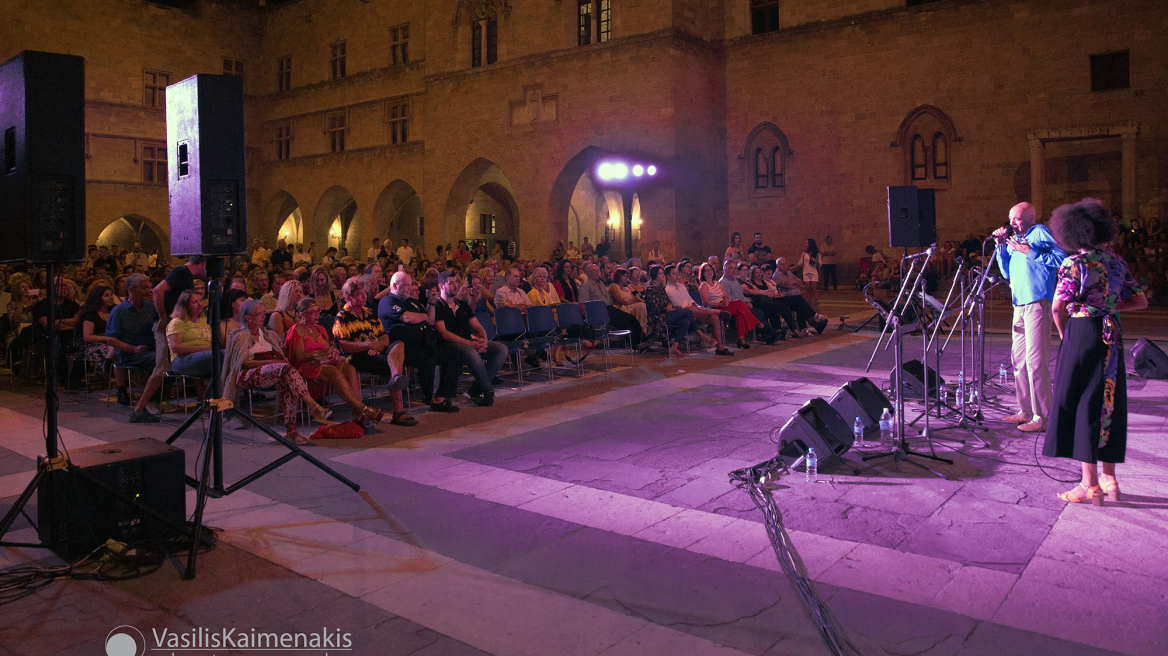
x=1092 y=283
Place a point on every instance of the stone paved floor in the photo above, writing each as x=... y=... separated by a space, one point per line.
x=595 y=516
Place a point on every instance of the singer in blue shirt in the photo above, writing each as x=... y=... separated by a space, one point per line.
x=1029 y=258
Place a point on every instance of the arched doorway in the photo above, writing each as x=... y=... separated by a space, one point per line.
x=283 y=213
x=337 y=223
x=397 y=214
x=579 y=209
x=482 y=208
x=130 y=229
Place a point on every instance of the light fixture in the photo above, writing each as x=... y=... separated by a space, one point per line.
x=638 y=170
x=652 y=170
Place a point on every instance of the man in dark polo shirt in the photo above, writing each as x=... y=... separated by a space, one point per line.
x=411 y=322
x=460 y=330
x=130 y=330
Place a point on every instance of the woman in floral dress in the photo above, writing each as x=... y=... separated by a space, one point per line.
x=1088 y=419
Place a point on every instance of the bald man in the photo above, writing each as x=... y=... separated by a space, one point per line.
x=1030 y=260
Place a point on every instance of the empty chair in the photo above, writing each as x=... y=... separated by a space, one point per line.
x=571 y=325
x=541 y=331
x=596 y=316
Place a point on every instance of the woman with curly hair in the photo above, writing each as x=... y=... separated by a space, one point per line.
x=1088 y=418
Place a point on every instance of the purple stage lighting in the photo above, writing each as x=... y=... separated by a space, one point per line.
x=638 y=170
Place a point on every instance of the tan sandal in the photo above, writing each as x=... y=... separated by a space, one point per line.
x=320 y=413
x=293 y=435
x=1110 y=489
x=1092 y=494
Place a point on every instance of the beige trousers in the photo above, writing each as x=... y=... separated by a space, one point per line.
x=1030 y=355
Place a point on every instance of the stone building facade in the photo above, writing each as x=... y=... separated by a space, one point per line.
x=440 y=120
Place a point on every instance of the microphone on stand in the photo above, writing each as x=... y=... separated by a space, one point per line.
x=925 y=253
x=1009 y=233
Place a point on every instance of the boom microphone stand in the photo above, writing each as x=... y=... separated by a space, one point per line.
x=213 y=440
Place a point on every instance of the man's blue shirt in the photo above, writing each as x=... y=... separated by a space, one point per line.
x=134 y=326
x=1032 y=276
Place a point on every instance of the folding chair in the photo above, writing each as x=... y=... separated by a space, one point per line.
x=596 y=316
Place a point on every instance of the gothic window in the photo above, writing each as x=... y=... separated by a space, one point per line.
x=764 y=16
x=920 y=167
x=484 y=40
x=940 y=157
x=766 y=156
x=925 y=139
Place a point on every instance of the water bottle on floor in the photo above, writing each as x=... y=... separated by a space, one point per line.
x=858 y=434
x=887 y=441
x=1002 y=374
x=812 y=465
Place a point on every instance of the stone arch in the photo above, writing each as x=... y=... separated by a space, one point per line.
x=482 y=187
x=577 y=208
x=130 y=228
x=398 y=213
x=933 y=126
x=336 y=222
x=283 y=218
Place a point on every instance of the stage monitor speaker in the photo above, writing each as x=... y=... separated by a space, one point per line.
x=206 y=166
x=862 y=398
x=816 y=425
x=1151 y=362
x=75 y=516
x=42 y=163
x=912 y=217
x=914 y=379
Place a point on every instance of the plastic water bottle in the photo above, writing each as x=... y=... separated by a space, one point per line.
x=812 y=465
x=1002 y=374
x=942 y=393
x=858 y=434
x=959 y=391
x=887 y=440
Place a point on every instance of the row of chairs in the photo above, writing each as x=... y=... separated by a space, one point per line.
x=545 y=330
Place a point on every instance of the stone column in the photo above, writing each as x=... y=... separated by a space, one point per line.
x=483 y=42
x=1037 y=176
x=1131 y=206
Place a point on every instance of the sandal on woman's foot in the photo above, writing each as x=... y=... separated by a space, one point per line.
x=1082 y=493
x=292 y=435
x=375 y=415
x=403 y=418
x=320 y=413
x=1110 y=489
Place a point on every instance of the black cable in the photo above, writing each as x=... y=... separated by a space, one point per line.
x=754 y=481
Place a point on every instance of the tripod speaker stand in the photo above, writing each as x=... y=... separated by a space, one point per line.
x=212 y=449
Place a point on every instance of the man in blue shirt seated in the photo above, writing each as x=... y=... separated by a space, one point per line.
x=1030 y=259
x=130 y=330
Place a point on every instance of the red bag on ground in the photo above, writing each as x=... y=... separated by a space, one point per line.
x=346 y=431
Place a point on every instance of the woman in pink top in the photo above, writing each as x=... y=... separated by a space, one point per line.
x=713 y=296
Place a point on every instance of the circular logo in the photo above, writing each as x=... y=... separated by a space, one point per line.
x=125 y=640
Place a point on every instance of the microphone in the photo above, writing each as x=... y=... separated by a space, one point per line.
x=925 y=253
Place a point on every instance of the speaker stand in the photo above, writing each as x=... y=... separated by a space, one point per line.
x=53 y=460
x=213 y=440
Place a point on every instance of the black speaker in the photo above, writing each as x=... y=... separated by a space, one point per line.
x=912 y=217
x=862 y=398
x=1151 y=362
x=914 y=379
x=206 y=166
x=816 y=425
x=75 y=516
x=42 y=166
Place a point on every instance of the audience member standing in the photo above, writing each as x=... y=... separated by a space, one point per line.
x=734 y=250
x=758 y=252
x=827 y=270
x=809 y=262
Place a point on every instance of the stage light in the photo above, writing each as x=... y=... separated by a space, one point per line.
x=620 y=171
x=638 y=170
x=604 y=171
x=652 y=170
